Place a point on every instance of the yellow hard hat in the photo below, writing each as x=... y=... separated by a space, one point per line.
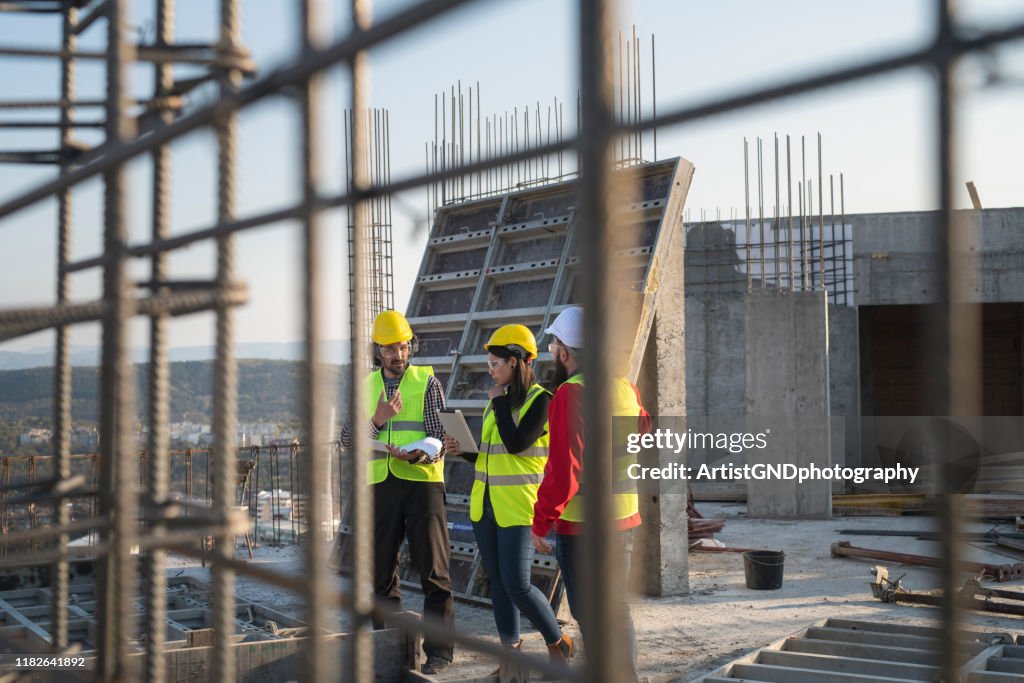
x=514 y=338
x=391 y=327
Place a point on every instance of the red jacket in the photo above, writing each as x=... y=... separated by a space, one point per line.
x=565 y=462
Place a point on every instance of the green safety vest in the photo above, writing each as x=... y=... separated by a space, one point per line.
x=404 y=428
x=624 y=495
x=513 y=478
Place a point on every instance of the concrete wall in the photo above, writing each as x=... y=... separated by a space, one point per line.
x=894 y=257
x=893 y=264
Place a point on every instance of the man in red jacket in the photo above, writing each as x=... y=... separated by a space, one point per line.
x=559 y=501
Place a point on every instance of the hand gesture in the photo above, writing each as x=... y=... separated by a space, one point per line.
x=387 y=409
x=496 y=391
x=540 y=544
x=451 y=445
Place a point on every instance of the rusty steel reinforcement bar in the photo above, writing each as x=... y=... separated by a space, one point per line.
x=313 y=398
x=19 y=322
x=276 y=81
x=359 y=666
x=1000 y=572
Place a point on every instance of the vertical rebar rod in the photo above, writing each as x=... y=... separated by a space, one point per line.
x=479 y=175
x=809 y=196
x=654 y=98
x=314 y=397
x=159 y=371
x=803 y=211
x=760 y=210
x=954 y=341
x=225 y=396
x=837 y=247
x=789 y=214
x=842 y=219
x=602 y=573
x=62 y=360
x=821 y=219
x=777 y=214
x=803 y=253
x=117 y=482
x=462 y=144
x=622 y=103
x=636 y=80
x=359 y=666
x=746 y=198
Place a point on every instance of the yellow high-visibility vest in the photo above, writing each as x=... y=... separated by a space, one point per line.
x=624 y=494
x=404 y=428
x=513 y=478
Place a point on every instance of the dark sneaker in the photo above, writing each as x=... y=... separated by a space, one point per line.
x=434 y=665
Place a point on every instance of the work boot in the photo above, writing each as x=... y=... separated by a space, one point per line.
x=503 y=666
x=561 y=652
x=435 y=664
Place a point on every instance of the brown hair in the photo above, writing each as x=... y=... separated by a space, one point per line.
x=522 y=377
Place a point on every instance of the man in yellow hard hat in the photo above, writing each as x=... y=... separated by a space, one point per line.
x=403 y=400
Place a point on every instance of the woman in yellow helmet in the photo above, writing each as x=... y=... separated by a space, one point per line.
x=509 y=469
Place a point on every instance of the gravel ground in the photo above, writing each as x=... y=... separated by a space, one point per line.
x=684 y=637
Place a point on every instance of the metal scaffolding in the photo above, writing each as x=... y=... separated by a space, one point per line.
x=137 y=127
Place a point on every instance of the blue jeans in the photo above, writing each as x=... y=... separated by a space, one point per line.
x=569 y=553
x=507 y=554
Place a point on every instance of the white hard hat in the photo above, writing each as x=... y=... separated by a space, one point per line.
x=568 y=327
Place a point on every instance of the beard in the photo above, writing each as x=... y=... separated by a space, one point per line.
x=560 y=375
x=397 y=367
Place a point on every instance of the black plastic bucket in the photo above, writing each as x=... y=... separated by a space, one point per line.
x=763 y=569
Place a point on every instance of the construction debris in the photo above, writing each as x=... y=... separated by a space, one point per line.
x=971 y=596
x=1000 y=572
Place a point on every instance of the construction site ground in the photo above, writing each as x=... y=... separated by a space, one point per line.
x=682 y=638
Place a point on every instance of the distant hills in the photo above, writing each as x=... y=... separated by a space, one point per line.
x=267 y=391
x=337 y=352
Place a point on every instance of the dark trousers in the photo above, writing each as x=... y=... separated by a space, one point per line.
x=569 y=553
x=414 y=510
x=507 y=554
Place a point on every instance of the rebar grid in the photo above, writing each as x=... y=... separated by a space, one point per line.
x=952 y=357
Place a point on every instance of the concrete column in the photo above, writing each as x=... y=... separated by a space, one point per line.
x=788 y=393
x=661 y=544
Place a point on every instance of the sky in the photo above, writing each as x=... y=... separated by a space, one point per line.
x=878 y=133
